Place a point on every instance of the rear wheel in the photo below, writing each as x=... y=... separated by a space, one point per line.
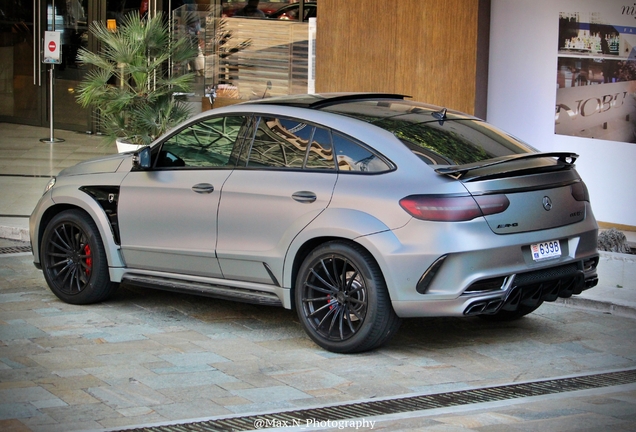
x=342 y=300
x=73 y=259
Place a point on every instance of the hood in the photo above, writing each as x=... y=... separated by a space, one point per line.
x=106 y=164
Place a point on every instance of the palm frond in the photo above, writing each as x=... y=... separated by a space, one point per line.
x=128 y=82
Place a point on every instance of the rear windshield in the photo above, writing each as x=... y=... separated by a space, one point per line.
x=458 y=140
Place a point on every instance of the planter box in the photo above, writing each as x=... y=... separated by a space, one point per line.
x=124 y=147
x=218 y=103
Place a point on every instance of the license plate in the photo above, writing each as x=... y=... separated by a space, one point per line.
x=546 y=250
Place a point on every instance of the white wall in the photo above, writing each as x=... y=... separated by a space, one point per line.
x=522 y=95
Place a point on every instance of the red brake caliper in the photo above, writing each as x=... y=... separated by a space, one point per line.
x=89 y=259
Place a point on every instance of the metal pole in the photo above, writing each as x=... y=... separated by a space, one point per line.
x=51 y=138
x=51 y=93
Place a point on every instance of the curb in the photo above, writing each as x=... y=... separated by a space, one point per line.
x=607 y=307
x=13 y=233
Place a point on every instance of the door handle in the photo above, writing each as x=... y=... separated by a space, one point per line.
x=304 y=196
x=203 y=188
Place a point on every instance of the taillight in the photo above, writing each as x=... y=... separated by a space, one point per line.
x=579 y=192
x=492 y=204
x=453 y=208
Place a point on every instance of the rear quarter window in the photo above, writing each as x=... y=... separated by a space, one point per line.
x=353 y=157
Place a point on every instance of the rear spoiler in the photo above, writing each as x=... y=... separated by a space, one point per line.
x=457 y=171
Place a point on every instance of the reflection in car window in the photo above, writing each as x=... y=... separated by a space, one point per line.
x=454 y=142
x=207 y=143
x=460 y=139
x=279 y=143
x=242 y=148
x=353 y=157
x=443 y=145
x=321 y=151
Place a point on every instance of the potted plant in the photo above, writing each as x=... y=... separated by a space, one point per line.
x=129 y=83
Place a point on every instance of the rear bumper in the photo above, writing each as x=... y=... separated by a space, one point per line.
x=533 y=288
x=482 y=272
x=520 y=289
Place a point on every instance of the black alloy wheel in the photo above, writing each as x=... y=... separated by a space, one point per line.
x=342 y=300
x=73 y=259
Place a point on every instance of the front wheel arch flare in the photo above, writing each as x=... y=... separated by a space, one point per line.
x=73 y=259
x=97 y=214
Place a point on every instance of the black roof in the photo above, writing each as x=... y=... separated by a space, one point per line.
x=376 y=108
x=323 y=100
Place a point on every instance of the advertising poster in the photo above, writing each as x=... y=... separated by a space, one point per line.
x=596 y=73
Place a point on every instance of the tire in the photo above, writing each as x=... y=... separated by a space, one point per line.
x=73 y=259
x=342 y=300
x=504 y=315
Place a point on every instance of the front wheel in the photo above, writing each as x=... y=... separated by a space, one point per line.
x=342 y=300
x=73 y=259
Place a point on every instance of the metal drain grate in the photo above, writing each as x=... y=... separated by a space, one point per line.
x=339 y=413
x=14 y=249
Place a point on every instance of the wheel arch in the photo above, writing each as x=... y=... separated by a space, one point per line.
x=343 y=224
x=302 y=252
x=95 y=212
x=309 y=245
x=374 y=244
x=74 y=262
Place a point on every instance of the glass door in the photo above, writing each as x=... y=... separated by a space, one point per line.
x=24 y=80
x=21 y=95
x=70 y=18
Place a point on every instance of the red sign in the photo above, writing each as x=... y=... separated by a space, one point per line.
x=52 y=48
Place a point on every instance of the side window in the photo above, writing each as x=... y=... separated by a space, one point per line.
x=351 y=156
x=243 y=146
x=320 y=154
x=205 y=144
x=279 y=143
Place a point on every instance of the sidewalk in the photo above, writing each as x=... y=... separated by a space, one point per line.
x=26 y=165
x=616 y=291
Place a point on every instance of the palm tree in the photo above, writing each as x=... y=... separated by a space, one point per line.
x=129 y=83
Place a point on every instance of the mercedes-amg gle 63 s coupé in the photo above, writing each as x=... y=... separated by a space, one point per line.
x=355 y=210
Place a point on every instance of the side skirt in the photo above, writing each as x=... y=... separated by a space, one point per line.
x=203 y=289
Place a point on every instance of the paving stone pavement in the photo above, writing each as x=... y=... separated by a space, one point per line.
x=152 y=357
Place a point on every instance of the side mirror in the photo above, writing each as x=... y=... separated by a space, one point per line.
x=142 y=159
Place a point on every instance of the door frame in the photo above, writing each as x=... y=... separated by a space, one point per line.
x=39 y=115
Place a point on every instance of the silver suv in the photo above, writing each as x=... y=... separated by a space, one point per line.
x=356 y=210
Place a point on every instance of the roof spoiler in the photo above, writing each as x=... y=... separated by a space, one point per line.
x=322 y=100
x=457 y=171
x=355 y=97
